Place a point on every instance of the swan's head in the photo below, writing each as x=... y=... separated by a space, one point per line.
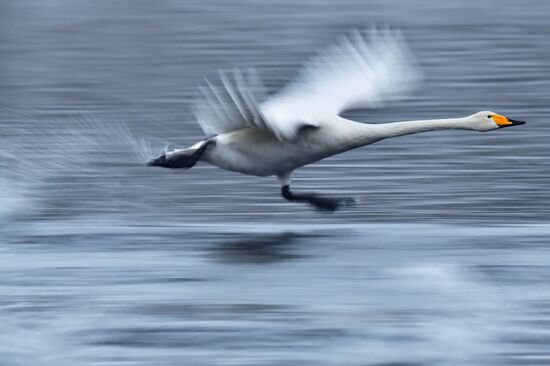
x=486 y=121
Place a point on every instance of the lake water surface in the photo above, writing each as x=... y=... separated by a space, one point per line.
x=103 y=261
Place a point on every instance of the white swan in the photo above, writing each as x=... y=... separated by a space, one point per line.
x=253 y=134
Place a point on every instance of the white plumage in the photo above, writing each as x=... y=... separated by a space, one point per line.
x=357 y=72
x=252 y=133
x=231 y=104
x=360 y=71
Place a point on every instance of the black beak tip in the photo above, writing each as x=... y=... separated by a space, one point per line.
x=513 y=123
x=517 y=123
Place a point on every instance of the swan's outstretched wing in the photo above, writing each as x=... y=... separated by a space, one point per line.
x=231 y=103
x=360 y=71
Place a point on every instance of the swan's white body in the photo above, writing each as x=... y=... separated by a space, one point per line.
x=252 y=133
x=258 y=152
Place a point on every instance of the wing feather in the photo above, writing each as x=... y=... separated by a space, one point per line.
x=359 y=71
x=231 y=103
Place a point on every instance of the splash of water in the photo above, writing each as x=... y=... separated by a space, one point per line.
x=38 y=151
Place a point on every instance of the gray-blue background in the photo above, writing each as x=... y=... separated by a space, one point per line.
x=106 y=262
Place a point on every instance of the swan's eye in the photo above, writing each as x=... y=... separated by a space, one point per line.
x=489 y=116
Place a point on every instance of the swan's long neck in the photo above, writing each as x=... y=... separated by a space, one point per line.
x=387 y=130
x=358 y=134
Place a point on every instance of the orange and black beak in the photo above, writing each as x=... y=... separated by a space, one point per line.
x=502 y=121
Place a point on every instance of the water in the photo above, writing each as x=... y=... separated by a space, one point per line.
x=106 y=262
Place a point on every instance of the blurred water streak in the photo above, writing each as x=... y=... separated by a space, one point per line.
x=103 y=261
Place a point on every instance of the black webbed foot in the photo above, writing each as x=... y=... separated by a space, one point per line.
x=331 y=204
x=160 y=161
x=175 y=161
x=185 y=158
x=319 y=202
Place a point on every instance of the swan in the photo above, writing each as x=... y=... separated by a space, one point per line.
x=252 y=133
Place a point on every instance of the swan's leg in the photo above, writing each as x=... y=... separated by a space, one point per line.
x=319 y=202
x=184 y=158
